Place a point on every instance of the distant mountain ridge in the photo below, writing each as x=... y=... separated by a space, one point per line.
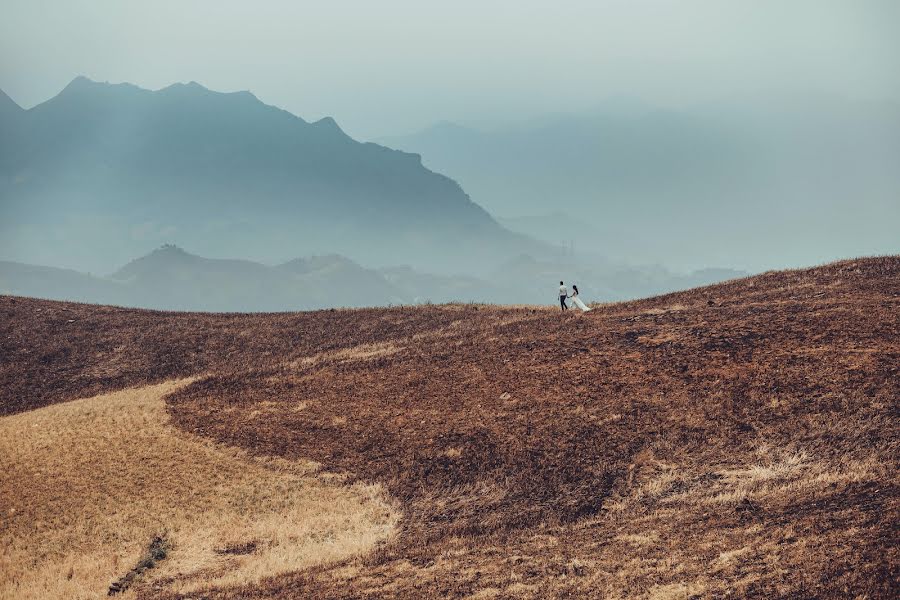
x=227 y=174
x=752 y=182
x=169 y=278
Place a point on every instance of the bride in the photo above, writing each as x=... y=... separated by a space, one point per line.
x=577 y=301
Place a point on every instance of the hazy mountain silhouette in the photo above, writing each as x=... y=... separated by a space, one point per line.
x=333 y=279
x=115 y=166
x=745 y=182
x=34 y=281
x=170 y=278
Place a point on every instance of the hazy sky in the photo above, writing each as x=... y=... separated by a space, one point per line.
x=389 y=67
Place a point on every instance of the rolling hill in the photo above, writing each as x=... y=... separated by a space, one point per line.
x=733 y=440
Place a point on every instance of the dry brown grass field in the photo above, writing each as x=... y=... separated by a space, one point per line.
x=104 y=475
x=738 y=440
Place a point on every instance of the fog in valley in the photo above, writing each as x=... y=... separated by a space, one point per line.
x=756 y=185
x=295 y=156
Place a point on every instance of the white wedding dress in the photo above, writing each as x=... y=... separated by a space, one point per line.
x=577 y=302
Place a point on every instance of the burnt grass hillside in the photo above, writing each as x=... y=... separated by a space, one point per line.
x=740 y=439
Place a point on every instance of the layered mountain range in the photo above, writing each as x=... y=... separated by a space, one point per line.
x=169 y=278
x=104 y=166
x=105 y=172
x=753 y=182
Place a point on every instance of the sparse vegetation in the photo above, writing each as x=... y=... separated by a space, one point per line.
x=734 y=440
x=157 y=551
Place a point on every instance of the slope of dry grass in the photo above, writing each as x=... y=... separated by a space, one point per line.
x=739 y=439
x=89 y=483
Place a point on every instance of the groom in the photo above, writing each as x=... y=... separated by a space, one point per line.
x=563 y=294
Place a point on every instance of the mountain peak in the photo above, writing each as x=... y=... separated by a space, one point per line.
x=326 y=122
x=190 y=86
x=169 y=250
x=167 y=253
x=195 y=90
x=329 y=124
x=80 y=81
x=82 y=84
x=165 y=257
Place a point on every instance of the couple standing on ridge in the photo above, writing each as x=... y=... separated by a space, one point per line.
x=564 y=293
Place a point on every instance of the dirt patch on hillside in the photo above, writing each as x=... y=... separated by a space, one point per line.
x=87 y=484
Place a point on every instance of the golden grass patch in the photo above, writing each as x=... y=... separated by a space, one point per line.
x=87 y=484
x=360 y=352
x=676 y=591
x=665 y=309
